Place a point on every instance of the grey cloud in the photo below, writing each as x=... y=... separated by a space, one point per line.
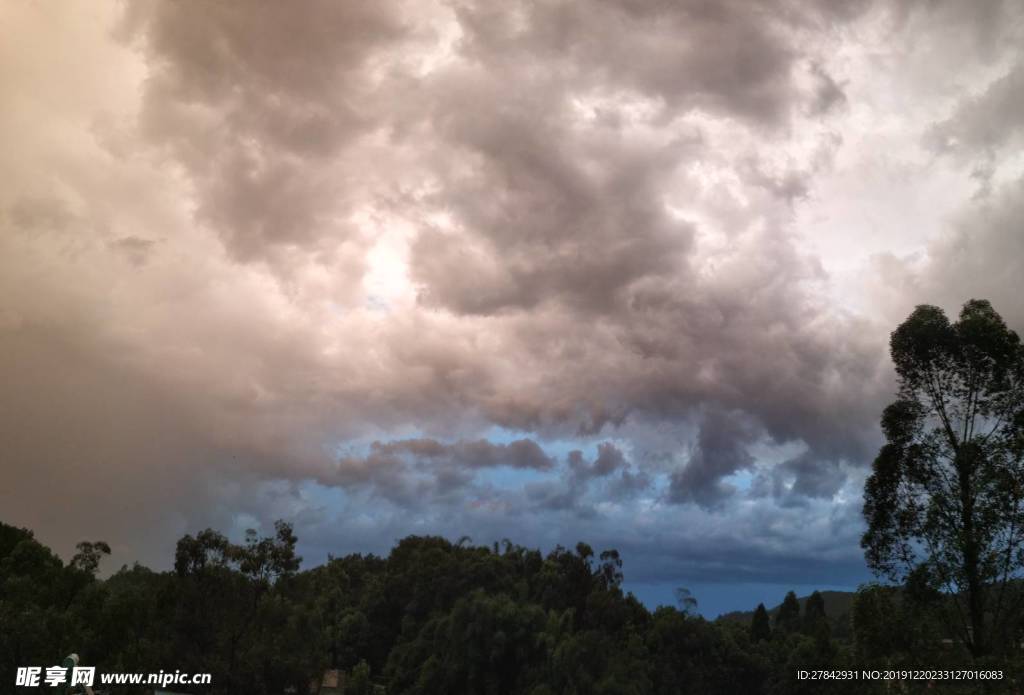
x=816 y=478
x=262 y=106
x=578 y=218
x=789 y=185
x=256 y=101
x=978 y=255
x=418 y=471
x=629 y=484
x=551 y=214
x=134 y=248
x=981 y=256
x=728 y=57
x=581 y=213
x=721 y=450
x=584 y=483
x=480 y=453
x=609 y=461
x=598 y=205
x=829 y=94
x=40 y=214
x=816 y=543
x=984 y=123
x=755 y=342
x=977 y=30
x=805 y=477
x=560 y=219
x=405 y=471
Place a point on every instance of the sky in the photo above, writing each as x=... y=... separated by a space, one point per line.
x=616 y=271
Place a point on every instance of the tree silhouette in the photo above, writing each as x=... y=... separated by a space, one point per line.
x=814 y=612
x=686 y=601
x=788 y=618
x=816 y=622
x=760 y=626
x=946 y=496
x=88 y=556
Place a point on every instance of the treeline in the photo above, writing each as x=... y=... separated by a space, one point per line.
x=432 y=617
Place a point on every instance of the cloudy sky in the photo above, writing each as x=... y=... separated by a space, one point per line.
x=620 y=271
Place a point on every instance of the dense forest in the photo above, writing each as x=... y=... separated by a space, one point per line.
x=440 y=617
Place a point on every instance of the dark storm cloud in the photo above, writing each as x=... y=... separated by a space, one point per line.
x=581 y=174
x=812 y=477
x=561 y=211
x=721 y=450
x=416 y=471
x=264 y=105
x=273 y=232
x=401 y=470
x=522 y=453
x=610 y=478
x=609 y=459
x=611 y=469
x=252 y=98
x=735 y=57
x=573 y=224
x=555 y=191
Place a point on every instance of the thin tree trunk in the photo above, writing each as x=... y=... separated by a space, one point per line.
x=967 y=462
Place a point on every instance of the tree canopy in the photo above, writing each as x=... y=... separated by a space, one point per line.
x=760 y=626
x=788 y=617
x=945 y=501
x=430 y=617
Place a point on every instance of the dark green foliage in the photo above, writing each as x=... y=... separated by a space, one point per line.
x=760 y=626
x=35 y=591
x=815 y=622
x=814 y=611
x=787 y=620
x=481 y=645
x=89 y=555
x=945 y=501
x=359 y=683
x=431 y=617
x=837 y=605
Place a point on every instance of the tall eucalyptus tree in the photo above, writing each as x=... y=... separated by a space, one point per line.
x=946 y=497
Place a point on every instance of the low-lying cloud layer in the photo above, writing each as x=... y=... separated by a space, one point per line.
x=618 y=271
